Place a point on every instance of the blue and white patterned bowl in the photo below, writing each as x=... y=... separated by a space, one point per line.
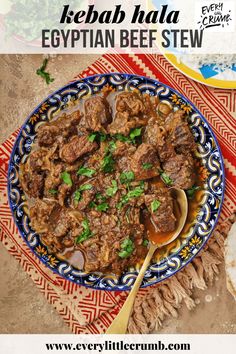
x=170 y=259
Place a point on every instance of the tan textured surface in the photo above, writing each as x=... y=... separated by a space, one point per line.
x=22 y=308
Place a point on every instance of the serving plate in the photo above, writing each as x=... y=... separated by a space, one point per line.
x=170 y=259
x=206 y=75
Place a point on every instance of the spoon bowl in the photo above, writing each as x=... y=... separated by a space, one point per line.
x=120 y=323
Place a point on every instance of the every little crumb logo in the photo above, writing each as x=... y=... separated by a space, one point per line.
x=217 y=16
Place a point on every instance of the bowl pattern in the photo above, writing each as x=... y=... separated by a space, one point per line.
x=176 y=255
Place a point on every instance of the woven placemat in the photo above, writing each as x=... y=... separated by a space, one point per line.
x=91 y=311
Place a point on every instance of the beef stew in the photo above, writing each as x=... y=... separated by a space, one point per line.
x=95 y=174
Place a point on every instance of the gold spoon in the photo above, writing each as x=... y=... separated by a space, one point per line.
x=120 y=323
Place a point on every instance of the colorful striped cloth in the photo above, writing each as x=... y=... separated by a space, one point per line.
x=91 y=311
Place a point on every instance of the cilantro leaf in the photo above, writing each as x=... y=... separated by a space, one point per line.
x=102 y=207
x=111 y=191
x=135 y=133
x=85 y=187
x=122 y=138
x=107 y=164
x=45 y=75
x=145 y=242
x=111 y=146
x=166 y=179
x=126 y=177
x=127 y=248
x=53 y=191
x=92 y=204
x=98 y=136
x=86 y=233
x=155 y=204
x=147 y=166
x=100 y=197
x=65 y=176
x=84 y=171
x=92 y=137
x=77 y=196
x=136 y=192
x=190 y=192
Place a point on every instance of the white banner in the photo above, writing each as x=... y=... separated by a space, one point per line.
x=189 y=344
x=96 y=26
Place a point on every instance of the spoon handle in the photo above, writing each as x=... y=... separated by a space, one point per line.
x=120 y=323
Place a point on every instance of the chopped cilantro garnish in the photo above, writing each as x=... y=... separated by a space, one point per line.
x=124 y=199
x=85 y=187
x=53 y=191
x=147 y=166
x=111 y=191
x=135 y=133
x=92 y=137
x=145 y=242
x=84 y=171
x=102 y=207
x=107 y=164
x=190 y=192
x=100 y=197
x=41 y=72
x=136 y=192
x=155 y=204
x=122 y=138
x=126 y=177
x=127 y=248
x=78 y=194
x=111 y=146
x=98 y=136
x=166 y=179
x=65 y=176
x=86 y=233
x=92 y=204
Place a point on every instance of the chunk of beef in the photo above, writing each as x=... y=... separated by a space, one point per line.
x=156 y=135
x=32 y=183
x=121 y=149
x=180 y=169
x=130 y=102
x=64 y=126
x=180 y=134
x=53 y=179
x=123 y=155
x=150 y=103
x=68 y=122
x=47 y=134
x=92 y=260
x=145 y=163
x=163 y=217
x=97 y=113
x=35 y=186
x=40 y=214
x=59 y=221
x=39 y=160
x=77 y=147
x=123 y=123
x=64 y=191
x=130 y=113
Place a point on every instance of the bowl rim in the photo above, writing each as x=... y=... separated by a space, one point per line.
x=127 y=76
